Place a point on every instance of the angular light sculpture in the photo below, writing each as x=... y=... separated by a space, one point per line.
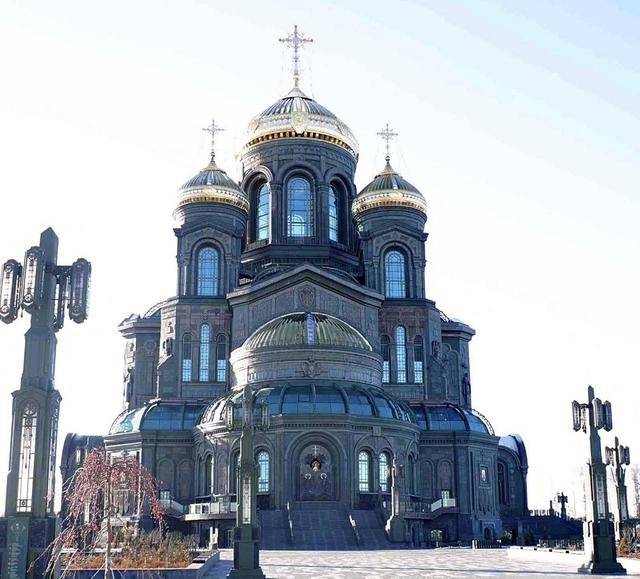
x=79 y=294
x=32 y=279
x=10 y=291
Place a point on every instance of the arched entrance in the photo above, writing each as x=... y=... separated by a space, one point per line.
x=316 y=473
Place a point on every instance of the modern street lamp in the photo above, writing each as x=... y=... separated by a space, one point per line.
x=617 y=457
x=246 y=534
x=599 y=540
x=44 y=289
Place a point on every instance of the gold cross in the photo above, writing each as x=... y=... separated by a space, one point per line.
x=387 y=134
x=212 y=129
x=296 y=42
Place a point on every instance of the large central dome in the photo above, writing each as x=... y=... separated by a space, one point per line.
x=299 y=116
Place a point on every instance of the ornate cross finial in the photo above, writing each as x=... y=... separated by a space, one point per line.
x=387 y=134
x=296 y=41
x=212 y=129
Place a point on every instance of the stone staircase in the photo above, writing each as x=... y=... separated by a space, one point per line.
x=318 y=526
x=274 y=529
x=371 y=530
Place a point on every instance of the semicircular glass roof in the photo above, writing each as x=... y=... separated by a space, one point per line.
x=307 y=329
x=287 y=399
x=158 y=416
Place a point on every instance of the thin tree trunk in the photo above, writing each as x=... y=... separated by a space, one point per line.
x=107 y=556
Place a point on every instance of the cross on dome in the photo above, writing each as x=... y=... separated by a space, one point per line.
x=212 y=129
x=296 y=41
x=387 y=134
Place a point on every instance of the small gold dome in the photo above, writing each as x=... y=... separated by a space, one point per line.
x=212 y=185
x=389 y=189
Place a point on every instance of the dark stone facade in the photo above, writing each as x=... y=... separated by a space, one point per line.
x=341 y=413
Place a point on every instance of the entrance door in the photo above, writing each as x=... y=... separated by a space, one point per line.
x=316 y=474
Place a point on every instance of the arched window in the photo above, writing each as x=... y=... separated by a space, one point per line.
x=364 y=471
x=395 y=285
x=187 y=358
x=208 y=272
x=208 y=475
x=221 y=358
x=203 y=368
x=263 y=210
x=299 y=208
x=502 y=485
x=385 y=347
x=418 y=356
x=383 y=472
x=27 y=457
x=263 y=471
x=411 y=475
x=333 y=214
x=401 y=355
x=234 y=467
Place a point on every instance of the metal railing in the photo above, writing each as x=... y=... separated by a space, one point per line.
x=426 y=506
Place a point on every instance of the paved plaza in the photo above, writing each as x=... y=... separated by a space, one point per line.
x=436 y=563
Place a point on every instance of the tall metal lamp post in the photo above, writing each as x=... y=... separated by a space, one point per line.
x=599 y=540
x=617 y=457
x=246 y=534
x=45 y=290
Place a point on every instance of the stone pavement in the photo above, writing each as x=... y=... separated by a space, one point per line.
x=434 y=563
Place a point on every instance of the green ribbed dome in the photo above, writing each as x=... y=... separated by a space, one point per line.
x=307 y=329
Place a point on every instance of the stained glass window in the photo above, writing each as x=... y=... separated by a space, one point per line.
x=262 y=211
x=27 y=457
x=263 y=471
x=333 y=214
x=187 y=358
x=221 y=359
x=203 y=373
x=386 y=358
x=394 y=275
x=299 y=208
x=418 y=356
x=208 y=272
x=364 y=469
x=401 y=355
x=383 y=472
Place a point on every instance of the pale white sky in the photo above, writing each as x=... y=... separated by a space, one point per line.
x=519 y=122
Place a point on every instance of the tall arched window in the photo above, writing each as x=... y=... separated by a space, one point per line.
x=385 y=347
x=395 y=285
x=208 y=272
x=383 y=472
x=263 y=471
x=299 y=208
x=234 y=467
x=401 y=355
x=208 y=475
x=221 y=358
x=502 y=485
x=364 y=471
x=418 y=356
x=263 y=210
x=333 y=214
x=203 y=368
x=411 y=475
x=187 y=358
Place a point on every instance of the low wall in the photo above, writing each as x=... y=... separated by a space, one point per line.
x=193 y=571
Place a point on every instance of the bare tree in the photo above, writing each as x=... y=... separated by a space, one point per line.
x=635 y=483
x=89 y=499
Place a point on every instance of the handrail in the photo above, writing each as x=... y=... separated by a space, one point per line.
x=355 y=529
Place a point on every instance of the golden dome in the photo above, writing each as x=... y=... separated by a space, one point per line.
x=389 y=189
x=299 y=116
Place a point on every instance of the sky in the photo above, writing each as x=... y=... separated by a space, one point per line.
x=519 y=121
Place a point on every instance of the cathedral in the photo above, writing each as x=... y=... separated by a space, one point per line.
x=312 y=294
